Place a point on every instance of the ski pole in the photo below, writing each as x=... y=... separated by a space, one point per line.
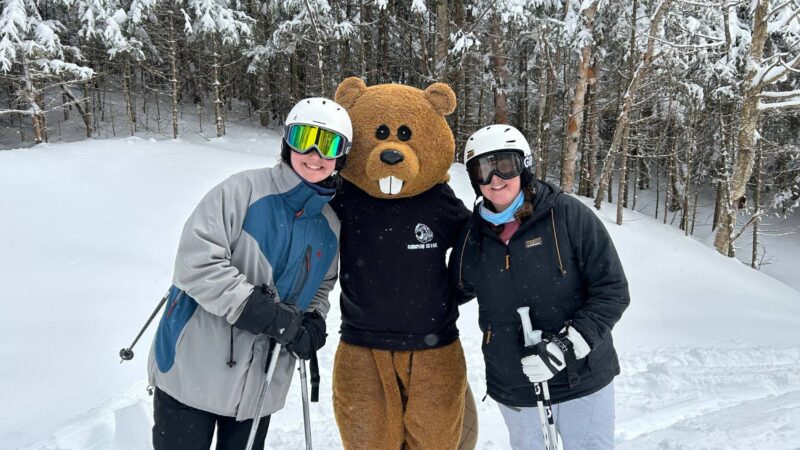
x=306 y=414
x=262 y=395
x=551 y=424
x=127 y=353
x=552 y=441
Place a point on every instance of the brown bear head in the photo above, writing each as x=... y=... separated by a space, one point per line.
x=402 y=145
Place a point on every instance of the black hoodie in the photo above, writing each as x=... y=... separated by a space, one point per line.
x=395 y=293
x=560 y=262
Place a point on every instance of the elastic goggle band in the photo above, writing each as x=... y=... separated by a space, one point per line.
x=505 y=165
x=304 y=138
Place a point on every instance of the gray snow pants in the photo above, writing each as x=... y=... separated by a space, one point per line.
x=586 y=423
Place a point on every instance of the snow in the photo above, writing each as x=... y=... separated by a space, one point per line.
x=710 y=349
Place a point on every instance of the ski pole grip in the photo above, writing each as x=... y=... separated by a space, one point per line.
x=527 y=328
x=531 y=337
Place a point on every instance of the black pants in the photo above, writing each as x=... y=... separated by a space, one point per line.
x=181 y=427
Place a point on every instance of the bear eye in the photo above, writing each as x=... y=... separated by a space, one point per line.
x=382 y=132
x=403 y=133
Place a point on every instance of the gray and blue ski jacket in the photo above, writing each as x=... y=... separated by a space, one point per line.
x=264 y=226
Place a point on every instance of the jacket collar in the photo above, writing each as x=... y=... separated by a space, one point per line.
x=544 y=199
x=298 y=195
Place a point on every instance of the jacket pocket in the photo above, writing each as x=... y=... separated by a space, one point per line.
x=501 y=345
x=180 y=308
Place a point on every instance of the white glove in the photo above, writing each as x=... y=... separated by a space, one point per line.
x=542 y=365
x=542 y=361
x=579 y=344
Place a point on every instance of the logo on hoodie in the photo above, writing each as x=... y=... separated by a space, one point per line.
x=424 y=236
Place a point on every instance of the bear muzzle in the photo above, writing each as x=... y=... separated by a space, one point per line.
x=392 y=165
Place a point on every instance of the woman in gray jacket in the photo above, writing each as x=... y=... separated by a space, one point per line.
x=255 y=264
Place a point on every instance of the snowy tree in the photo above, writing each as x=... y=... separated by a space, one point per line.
x=32 y=56
x=583 y=13
x=216 y=21
x=762 y=67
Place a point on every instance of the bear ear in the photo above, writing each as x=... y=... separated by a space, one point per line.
x=348 y=91
x=442 y=98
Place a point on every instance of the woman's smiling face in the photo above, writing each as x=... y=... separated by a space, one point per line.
x=311 y=167
x=500 y=192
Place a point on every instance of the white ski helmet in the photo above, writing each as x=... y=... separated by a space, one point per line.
x=498 y=138
x=494 y=138
x=324 y=113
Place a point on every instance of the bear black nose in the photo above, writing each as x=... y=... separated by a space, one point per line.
x=391 y=157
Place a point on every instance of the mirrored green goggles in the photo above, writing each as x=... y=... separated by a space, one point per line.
x=304 y=138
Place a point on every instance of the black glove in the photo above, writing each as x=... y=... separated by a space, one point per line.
x=310 y=337
x=262 y=314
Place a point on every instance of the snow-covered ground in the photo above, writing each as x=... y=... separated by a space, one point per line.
x=710 y=348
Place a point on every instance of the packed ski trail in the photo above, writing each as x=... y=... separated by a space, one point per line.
x=710 y=349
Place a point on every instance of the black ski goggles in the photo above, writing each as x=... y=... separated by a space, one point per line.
x=504 y=164
x=304 y=138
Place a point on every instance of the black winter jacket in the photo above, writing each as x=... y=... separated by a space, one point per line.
x=560 y=262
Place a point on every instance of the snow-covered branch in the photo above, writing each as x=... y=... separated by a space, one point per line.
x=786 y=94
x=789 y=104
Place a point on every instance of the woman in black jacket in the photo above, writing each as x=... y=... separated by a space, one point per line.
x=530 y=244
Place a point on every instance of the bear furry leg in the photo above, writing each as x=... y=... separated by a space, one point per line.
x=469 y=432
x=399 y=399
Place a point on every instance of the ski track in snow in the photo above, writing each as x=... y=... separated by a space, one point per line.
x=675 y=399
x=681 y=398
x=687 y=386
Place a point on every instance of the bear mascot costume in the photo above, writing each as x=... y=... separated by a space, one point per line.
x=399 y=377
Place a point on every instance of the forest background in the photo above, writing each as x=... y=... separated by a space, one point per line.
x=681 y=100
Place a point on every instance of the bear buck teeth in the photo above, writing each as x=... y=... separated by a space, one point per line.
x=391 y=185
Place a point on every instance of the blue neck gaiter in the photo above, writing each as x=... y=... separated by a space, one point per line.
x=502 y=217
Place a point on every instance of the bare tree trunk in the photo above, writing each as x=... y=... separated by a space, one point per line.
x=623 y=175
x=675 y=192
x=31 y=95
x=542 y=126
x=174 y=64
x=85 y=114
x=173 y=56
x=500 y=72
x=442 y=40
x=658 y=179
x=383 y=33
x=626 y=171
x=126 y=87
x=694 y=208
x=460 y=82
x=628 y=99
x=320 y=64
x=367 y=54
x=757 y=207
x=635 y=162
x=575 y=120
x=521 y=117
x=717 y=206
x=549 y=112
x=687 y=182
x=748 y=122
x=92 y=125
x=64 y=106
x=219 y=111
x=588 y=149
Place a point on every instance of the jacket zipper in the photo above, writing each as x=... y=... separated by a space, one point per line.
x=174 y=303
x=558 y=252
x=461 y=260
x=305 y=269
x=489 y=334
